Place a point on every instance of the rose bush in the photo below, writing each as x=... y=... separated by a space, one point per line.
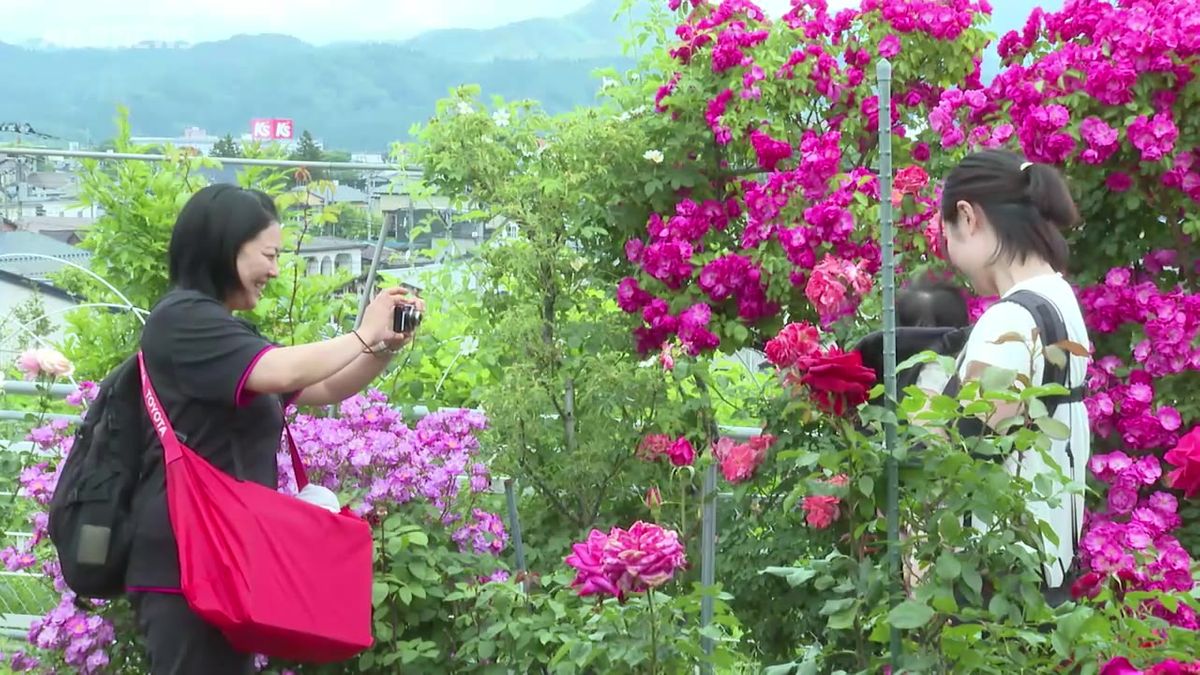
x=770 y=204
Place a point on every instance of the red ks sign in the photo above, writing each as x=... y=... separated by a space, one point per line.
x=271 y=129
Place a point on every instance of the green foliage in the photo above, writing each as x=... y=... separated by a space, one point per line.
x=445 y=365
x=26 y=321
x=550 y=335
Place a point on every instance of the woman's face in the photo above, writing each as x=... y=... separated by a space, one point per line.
x=257 y=263
x=971 y=246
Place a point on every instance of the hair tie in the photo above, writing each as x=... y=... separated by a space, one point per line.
x=1026 y=165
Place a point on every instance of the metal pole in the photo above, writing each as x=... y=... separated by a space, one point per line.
x=884 y=73
x=514 y=530
x=708 y=556
x=369 y=285
x=235 y=161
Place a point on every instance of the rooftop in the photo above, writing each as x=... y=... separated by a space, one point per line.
x=317 y=244
x=24 y=253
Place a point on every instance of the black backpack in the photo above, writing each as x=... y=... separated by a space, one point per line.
x=90 y=523
x=949 y=342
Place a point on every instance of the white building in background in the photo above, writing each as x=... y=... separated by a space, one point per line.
x=325 y=255
x=196 y=138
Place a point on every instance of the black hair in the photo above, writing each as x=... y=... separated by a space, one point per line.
x=1028 y=207
x=210 y=230
x=932 y=304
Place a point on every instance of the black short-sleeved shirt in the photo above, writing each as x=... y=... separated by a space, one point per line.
x=198 y=356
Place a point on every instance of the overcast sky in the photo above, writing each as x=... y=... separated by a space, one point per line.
x=77 y=23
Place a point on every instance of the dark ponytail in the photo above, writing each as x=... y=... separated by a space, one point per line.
x=1027 y=204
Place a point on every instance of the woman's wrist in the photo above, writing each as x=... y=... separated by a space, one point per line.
x=378 y=349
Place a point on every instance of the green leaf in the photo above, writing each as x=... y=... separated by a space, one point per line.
x=998 y=606
x=1056 y=355
x=379 y=593
x=843 y=620
x=794 y=575
x=417 y=538
x=910 y=614
x=997 y=379
x=971 y=576
x=948 y=567
x=487 y=649
x=1037 y=409
x=866 y=485
x=1053 y=428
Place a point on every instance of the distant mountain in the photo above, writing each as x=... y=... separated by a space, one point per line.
x=587 y=33
x=355 y=96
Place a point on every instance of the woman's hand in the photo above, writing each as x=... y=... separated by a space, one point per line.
x=377 y=319
x=401 y=339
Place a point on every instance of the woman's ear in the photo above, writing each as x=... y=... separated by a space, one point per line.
x=968 y=216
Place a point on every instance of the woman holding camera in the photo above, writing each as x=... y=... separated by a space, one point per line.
x=224 y=387
x=1002 y=218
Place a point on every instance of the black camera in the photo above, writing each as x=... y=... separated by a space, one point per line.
x=405 y=319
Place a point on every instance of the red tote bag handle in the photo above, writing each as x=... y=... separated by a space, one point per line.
x=170 y=442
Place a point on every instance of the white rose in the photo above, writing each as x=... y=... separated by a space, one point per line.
x=655 y=156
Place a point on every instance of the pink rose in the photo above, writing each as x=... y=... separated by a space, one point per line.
x=653 y=498
x=28 y=364
x=621 y=562
x=681 y=452
x=1185 y=456
x=35 y=362
x=739 y=461
x=793 y=344
x=821 y=510
x=1119 y=666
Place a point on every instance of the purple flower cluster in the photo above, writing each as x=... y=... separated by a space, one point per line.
x=1171 y=319
x=81 y=637
x=369 y=447
x=1131 y=542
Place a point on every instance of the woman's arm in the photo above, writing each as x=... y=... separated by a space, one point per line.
x=346 y=382
x=288 y=369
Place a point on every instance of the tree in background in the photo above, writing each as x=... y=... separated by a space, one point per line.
x=227 y=147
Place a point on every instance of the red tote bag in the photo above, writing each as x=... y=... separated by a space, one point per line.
x=278 y=576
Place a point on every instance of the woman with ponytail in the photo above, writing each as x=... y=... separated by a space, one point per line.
x=1003 y=219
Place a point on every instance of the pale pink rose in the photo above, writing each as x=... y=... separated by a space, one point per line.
x=53 y=363
x=36 y=362
x=28 y=364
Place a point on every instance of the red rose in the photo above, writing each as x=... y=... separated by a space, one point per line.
x=1185 y=456
x=837 y=380
x=1087 y=585
x=911 y=180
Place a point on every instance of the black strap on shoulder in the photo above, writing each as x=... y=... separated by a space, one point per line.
x=1052 y=330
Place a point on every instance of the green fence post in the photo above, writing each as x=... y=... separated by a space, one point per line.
x=884 y=74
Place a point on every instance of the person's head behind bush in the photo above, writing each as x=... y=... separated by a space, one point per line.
x=932 y=304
